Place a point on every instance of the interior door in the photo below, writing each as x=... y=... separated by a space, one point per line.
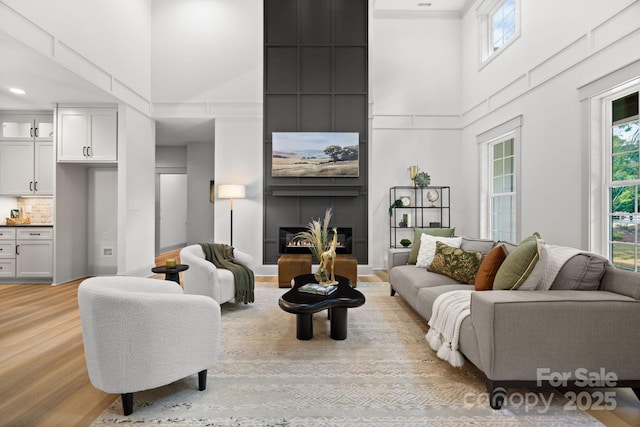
x=173 y=211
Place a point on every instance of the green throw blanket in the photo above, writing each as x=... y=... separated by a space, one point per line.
x=221 y=255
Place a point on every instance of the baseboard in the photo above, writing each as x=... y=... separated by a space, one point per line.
x=102 y=270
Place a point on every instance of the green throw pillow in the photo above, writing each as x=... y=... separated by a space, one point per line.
x=519 y=264
x=456 y=263
x=417 y=232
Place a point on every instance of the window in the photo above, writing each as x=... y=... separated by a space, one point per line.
x=499 y=176
x=503 y=26
x=502 y=198
x=499 y=23
x=623 y=181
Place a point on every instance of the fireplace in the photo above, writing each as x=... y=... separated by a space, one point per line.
x=287 y=245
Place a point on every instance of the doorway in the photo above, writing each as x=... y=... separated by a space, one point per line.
x=171 y=211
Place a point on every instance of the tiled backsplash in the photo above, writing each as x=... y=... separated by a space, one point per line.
x=41 y=209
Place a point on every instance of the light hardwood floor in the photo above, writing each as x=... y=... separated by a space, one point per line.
x=43 y=376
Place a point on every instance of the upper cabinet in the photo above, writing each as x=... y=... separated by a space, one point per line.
x=26 y=154
x=87 y=135
x=27 y=127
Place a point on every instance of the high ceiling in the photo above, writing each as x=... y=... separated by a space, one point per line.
x=47 y=82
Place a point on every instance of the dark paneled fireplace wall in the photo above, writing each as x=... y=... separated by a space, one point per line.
x=315 y=80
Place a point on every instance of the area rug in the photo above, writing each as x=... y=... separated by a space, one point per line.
x=383 y=374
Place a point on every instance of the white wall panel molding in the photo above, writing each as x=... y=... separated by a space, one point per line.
x=560 y=62
x=21 y=28
x=416 y=121
x=508 y=92
x=612 y=33
x=412 y=14
x=72 y=60
x=37 y=38
x=227 y=110
x=616 y=27
x=130 y=96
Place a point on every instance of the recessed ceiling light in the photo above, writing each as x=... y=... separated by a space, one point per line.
x=424 y=4
x=17 y=91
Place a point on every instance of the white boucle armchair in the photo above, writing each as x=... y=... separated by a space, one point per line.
x=204 y=278
x=141 y=333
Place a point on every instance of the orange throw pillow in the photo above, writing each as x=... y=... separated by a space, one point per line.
x=489 y=267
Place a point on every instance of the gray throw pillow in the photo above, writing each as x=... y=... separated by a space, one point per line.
x=477 y=245
x=582 y=272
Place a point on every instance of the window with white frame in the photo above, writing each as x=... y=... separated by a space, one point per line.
x=499 y=177
x=499 y=25
x=623 y=179
x=502 y=193
x=503 y=24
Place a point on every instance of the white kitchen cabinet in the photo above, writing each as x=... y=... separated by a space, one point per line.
x=87 y=135
x=26 y=154
x=7 y=252
x=26 y=167
x=26 y=126
x=34 y=252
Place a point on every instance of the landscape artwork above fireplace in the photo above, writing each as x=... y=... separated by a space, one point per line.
x=315 y=154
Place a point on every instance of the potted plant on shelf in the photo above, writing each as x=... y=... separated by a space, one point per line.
x=396 y=204
x=405 y=242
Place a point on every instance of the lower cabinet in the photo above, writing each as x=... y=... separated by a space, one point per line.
x=34 y=258
x=26 y=252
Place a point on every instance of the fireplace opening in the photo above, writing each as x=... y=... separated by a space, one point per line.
x=288 y=245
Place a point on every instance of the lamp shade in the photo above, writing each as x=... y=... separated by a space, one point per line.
x=231 y=191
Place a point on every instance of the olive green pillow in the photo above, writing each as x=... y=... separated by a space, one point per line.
x=519 y=264
x=456 y=263
x=417 y=232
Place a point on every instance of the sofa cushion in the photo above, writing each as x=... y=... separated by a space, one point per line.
x=407 y=280
x=581 y=272
x=456 y=263
x=427 y=295
x=478 y=245
x=519 y=264
x=489 y=268
x=622 y=282
x=417 y=232
x=428 y=247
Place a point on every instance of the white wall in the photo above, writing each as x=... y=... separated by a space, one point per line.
x=538 y=78
x=206 y=51
x=70 y=223
x=200 y=211
x=239 y=161
x=415 y=72
x=105 y=42
x=136 y=192
x=102 y=223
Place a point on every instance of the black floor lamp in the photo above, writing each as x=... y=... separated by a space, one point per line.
x=231 y=191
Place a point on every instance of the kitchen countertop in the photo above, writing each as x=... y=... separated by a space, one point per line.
x=27 y=225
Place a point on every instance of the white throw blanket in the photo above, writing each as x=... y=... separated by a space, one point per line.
x=449 y=310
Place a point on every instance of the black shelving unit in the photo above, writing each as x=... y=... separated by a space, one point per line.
x=421 y=212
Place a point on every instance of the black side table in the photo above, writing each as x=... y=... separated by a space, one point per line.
x=171 y=273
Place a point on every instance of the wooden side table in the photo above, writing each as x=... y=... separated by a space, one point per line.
x=171 y=273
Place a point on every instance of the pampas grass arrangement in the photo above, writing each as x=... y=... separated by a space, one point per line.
x=317 y=235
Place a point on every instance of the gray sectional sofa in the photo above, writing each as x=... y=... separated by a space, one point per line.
x=517 y=338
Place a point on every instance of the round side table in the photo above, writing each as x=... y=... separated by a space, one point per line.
x=171 y=273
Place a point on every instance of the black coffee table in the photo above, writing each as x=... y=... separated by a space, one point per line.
x=303 y=305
